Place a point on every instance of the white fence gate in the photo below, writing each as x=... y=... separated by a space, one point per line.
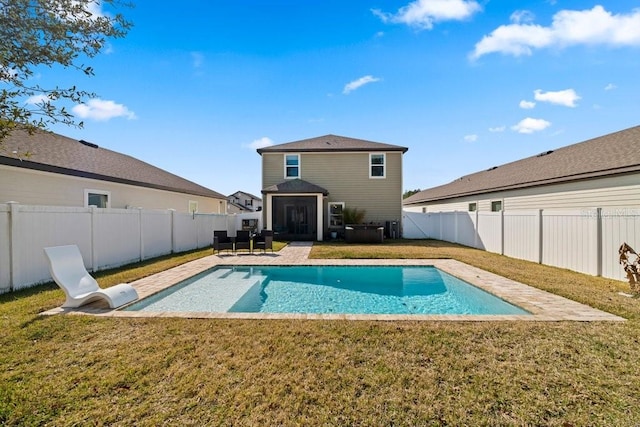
x=106 y=237
x=583 y=240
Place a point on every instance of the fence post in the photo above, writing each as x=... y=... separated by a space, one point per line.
x=476 y=229
x=141 y=234
x=599 y=242
x=501 y=231
x=173 y=230
x=93 y=211
x=540 y=234
x=455 y=226
x=13 y=241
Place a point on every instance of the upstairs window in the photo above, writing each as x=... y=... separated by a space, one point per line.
x=377 y=165
x=292 y=165
x=496 y=206
x=473 y=207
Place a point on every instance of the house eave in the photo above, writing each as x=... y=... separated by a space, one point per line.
x=26 y=164
x=541 y=183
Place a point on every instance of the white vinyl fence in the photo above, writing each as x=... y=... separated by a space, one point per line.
x=583 y=240
x=106 y=237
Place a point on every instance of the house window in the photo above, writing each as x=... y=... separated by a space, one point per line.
x=376 y=165
x=97 y=198
x=292 y=165
x=424 y=210
x=473 y=207
x=496 y=206
x=193 y=206
x=336 y=218
x=248 y=202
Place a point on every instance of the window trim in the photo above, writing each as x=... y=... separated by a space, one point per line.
x=493 y=202
x=89 y=191
x=287 y=166
x=384 y=166
x=472 y=206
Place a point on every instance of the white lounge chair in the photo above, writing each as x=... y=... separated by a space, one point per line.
x=68 y=271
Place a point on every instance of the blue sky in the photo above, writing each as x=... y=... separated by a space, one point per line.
x=466 y=85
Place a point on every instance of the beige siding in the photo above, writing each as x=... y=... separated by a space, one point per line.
x=346 y=177
x=612 y=192
x=43 y=188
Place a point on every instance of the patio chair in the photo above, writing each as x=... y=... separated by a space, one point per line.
x=243 y=240
x=264 y=240
x=221 y=241
x=68 y=271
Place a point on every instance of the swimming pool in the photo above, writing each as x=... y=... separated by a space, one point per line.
x=326 y=289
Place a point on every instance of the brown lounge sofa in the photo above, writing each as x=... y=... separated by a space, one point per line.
x=364 y=234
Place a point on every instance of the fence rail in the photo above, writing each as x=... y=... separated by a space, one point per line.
x=106 y=237
x=583 y=240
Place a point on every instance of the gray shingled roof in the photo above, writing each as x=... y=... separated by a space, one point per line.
x=295 y=186
x=329 y=143
x=612 y=154
x=55 y=153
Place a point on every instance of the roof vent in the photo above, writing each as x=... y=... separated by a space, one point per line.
x=88 y=144
x=490 y=169
x=545 y=153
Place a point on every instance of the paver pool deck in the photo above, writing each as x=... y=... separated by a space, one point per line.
x=542 y=305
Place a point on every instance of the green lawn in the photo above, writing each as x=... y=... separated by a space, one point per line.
x=81 y=370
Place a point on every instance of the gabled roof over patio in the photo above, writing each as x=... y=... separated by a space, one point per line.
x=294 y=186
x=613 y=154
x=330 y=143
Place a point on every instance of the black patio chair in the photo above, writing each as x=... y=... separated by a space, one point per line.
x=221 y=241
x=243 y=240
x=264 y=240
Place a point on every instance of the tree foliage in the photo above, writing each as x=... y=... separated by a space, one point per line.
x=410 y=193
x=48 y=33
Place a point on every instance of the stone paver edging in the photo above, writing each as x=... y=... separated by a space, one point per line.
x=542 y=305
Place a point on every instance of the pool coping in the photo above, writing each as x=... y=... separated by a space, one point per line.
x=543 y=306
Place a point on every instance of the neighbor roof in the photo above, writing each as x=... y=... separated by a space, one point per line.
x=55 y=153
x=246 y=194
x=616 y=153
x=329 y=143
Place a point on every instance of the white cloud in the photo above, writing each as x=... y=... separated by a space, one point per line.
x=522 y=16
x=527 y=105
x=530 y=125
x=610 y=86
x=569 y=27
x=101 y=110
x=423 y=14
x=471 y=138
x=498 y=129
x=567 y=97
x=261 y=143
x=37 y=99
x=351 y=86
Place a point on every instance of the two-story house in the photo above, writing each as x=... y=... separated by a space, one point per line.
x=241 y=202
x=308 y=184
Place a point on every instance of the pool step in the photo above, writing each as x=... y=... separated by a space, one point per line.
x=232 y=285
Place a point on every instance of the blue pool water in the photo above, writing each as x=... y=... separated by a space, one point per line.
x=348 y=289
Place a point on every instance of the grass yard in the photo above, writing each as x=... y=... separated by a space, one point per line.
x=81 y=370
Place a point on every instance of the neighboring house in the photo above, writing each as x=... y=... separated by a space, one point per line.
x=241 y=202
x=602 y=172
x=307 y=184
x=53 y=170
